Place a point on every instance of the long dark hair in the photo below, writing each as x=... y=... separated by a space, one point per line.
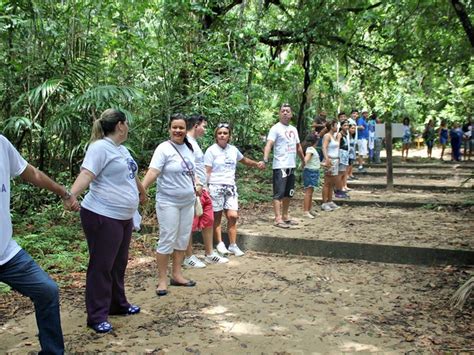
x=180 y=116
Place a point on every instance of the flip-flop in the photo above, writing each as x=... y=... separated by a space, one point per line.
x=290 y=222
x=282 y=225
x=190 y=283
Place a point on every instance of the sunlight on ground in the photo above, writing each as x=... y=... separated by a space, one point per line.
x=215 y=310
x=241 y=328
x=353 y=346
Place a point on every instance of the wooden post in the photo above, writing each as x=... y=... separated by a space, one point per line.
x=388 y=146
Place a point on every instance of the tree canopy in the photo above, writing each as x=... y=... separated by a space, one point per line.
x=232 y=60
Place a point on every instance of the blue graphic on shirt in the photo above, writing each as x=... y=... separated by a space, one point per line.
x=4 y=189
x=132 y=168
x=187 y=167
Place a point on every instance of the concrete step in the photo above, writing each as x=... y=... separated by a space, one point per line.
x=419 y=174
x=446 y=165
x=400 y=204
x=436 y=188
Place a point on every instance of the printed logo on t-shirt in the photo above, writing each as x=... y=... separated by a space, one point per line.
x=132 y=168
x=4 y=189
x=184 y=165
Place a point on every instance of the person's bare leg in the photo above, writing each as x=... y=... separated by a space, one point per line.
x=277 y=209
x=443 y=147
x=308 y=199
x=189 y=249
x=217 y=228
x=207 y=239
x=285 y=206
x=232 y=226
x=162 y=261
x=177 y=271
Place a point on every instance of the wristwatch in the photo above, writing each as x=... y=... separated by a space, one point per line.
x=265 y=161
x=67 y=195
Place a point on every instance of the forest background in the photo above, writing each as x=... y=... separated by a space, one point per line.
x=64 y=62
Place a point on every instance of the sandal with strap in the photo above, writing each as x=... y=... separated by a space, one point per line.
x=133 y=309
x=103 y=327
x=281 y=225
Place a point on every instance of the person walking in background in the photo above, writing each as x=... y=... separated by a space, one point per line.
x=310 y=173
x=284 y=140
x=331 y=166
x=443 y=135
x=406 y=138
x=456 y=140
x=362 y=140
x=371 y=141
x=173 y=168
x=17 y=268
x=196 y=126
x=429 y=136
x=106 y=213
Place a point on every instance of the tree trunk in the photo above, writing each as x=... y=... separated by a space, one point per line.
x=307 y=82
x=464 y=18
x=388 y=146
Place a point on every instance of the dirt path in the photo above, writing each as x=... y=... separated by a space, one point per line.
x=273 y=305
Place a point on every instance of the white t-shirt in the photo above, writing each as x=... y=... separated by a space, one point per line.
x=11 y=165
x=199 y=160
x=174 y=184
x=223 y=163
x=314 y=163
x=285 y=139
x=113 y=193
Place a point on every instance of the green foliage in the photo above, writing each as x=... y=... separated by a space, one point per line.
x=53 y=238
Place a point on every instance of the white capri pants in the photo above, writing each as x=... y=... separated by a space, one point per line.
x=176 y=222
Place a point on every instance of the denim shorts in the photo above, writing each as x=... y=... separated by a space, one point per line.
x=310 y=178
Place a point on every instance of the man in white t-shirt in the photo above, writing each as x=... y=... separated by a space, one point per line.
x=17 y=268
x=196 y=126
x=285 y=141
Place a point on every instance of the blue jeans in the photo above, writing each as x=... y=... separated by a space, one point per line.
x=23 y=274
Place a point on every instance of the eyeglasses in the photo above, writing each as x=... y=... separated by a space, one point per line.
x=223 y=125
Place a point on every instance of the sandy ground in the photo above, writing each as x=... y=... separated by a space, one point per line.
x=262 y=304
x=392 y=226
x=268 y=304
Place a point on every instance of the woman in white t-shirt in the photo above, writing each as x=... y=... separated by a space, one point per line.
x=331 y=166
x=221 y=160
x=106 y=213
x=172 y=167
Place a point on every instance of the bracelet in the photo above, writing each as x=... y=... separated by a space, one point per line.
x=67 y=195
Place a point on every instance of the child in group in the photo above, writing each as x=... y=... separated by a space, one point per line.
x=310 y=173
x=443 y=137
x=406 y=139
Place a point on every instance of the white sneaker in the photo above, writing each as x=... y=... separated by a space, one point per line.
x=222 y=249
x=326 y=207
x=234 y=249
x=215 y=258
x=333 y=205
x=193 y=262
x=308 y=215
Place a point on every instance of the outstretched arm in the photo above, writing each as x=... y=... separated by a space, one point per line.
x=252 y=163
x=150 y=177
x=41 y=180
x=267 y=150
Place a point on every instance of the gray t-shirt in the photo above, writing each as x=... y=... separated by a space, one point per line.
x=113 y=193
x=11 y=165
x=199 y=160
x=174 y=184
